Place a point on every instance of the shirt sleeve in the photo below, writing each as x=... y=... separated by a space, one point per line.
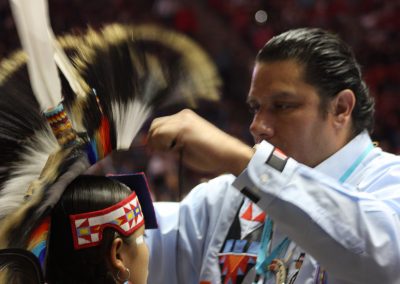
x=353 y=235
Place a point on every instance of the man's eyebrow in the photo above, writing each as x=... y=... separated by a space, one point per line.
x=274 y=96
x=282 y=95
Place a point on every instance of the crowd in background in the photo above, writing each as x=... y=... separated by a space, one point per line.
x=232 y=31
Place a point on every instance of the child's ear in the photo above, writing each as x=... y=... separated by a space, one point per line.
x=116 y=259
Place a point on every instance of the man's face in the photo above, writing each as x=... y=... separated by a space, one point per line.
x=287 y=113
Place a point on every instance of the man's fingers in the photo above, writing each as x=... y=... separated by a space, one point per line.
x=167 y=133
x=162 y=136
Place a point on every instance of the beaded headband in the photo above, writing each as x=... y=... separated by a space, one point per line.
x=126 y=217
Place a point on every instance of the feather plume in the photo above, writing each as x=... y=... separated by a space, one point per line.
x=123 y=74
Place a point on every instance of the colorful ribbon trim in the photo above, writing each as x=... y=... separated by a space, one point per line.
x=37 y=243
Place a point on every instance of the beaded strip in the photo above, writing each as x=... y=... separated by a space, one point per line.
x=61 y=125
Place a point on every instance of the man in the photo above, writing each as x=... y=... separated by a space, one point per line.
x=332 y=207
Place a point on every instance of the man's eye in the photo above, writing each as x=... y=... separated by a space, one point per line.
x=283 y=106
x=253 y=108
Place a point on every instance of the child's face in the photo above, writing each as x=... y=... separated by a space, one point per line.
x=139 y=261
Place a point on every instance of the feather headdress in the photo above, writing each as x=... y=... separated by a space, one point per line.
x=118 y=76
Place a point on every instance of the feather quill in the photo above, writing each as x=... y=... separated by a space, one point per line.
x=76 y=83
x=32 y=20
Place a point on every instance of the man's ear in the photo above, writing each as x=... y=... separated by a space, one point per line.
x=116 y=259
x=342 y=108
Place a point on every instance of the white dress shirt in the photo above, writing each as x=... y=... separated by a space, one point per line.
x=344 y=214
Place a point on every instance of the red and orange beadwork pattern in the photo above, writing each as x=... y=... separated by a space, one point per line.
x=61 y=125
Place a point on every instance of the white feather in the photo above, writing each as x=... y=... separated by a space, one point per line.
x=26 y=171
x=129 y=118
x=66 y=67
x=128 y=121
x=33 y=25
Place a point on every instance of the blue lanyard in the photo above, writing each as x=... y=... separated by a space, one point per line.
x=355 y=164
x=264 y=260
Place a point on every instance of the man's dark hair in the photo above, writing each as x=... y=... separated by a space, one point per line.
x=329 y=65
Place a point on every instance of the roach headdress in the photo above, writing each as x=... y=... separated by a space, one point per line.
x=57 y=121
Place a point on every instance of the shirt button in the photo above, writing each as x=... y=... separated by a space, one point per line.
x=264 y=178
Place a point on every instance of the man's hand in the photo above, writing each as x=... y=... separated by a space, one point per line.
x=205 y=147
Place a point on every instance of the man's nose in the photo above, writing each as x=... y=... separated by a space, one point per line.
x=261 y=128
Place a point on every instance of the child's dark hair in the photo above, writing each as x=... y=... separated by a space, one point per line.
x=89 y=265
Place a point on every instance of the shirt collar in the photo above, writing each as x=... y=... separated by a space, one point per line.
x=337 y=164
